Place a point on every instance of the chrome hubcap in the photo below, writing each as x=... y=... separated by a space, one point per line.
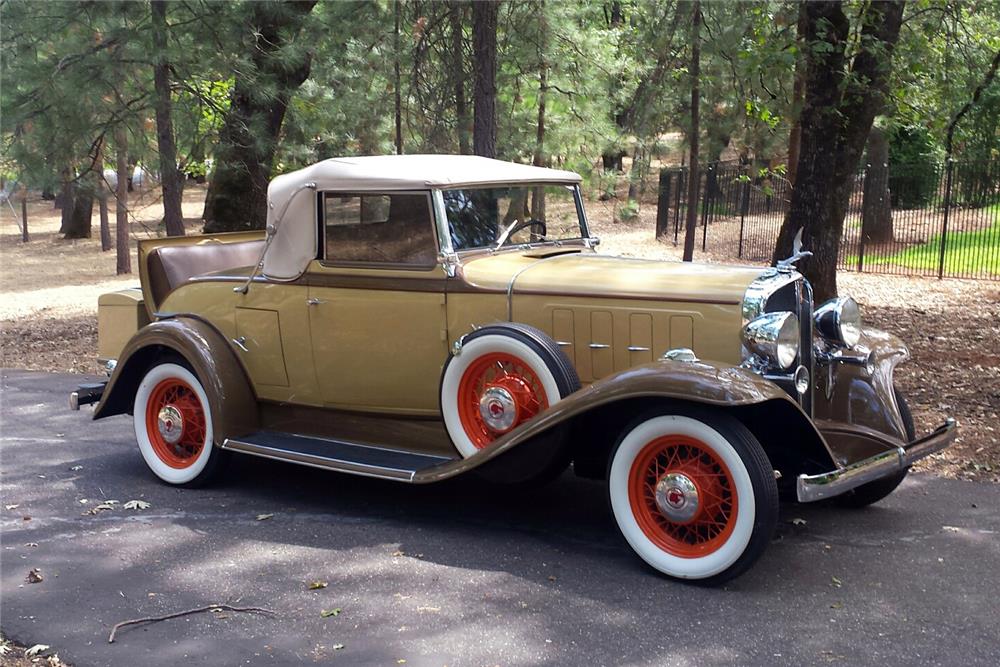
x=170 y=423
x=677 y=497
x=497 y=408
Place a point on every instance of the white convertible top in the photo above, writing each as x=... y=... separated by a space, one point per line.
x=292 y=201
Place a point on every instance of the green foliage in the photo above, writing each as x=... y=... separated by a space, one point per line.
x=913 y=166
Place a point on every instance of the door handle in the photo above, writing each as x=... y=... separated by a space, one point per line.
x=241 y=343
x=313 y=301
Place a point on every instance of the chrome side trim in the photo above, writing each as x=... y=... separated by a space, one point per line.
x=811 y=488
x=637 y=348
x=313 y=461
x=598 y=346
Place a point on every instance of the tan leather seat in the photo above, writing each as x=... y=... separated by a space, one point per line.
x=170 y=266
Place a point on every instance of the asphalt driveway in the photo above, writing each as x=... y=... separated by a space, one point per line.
x=458 y=574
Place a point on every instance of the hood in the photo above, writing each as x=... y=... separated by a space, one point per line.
x=603 y=276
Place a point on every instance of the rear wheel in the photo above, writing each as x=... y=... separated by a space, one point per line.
x=872 y=492
x=693 y=494
x=173 y=425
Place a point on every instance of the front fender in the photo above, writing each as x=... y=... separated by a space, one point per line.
x=602 y=410
x=230 y=394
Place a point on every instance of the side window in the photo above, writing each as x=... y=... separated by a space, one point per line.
x=379 y=229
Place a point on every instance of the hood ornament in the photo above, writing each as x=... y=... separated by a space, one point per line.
x=798 y=253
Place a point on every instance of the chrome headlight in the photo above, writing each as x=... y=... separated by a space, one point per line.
x=773 y=337
x=839 y=321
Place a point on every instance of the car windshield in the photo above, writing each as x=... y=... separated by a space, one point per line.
x=487 y=217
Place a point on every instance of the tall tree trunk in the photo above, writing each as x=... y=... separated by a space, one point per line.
x=484 y=47
x=81 y=208
x=538 y=159
x=839 y=106
x=170 y=176
x=691 y=220
x=798 y=90
x=397 y=81
x=123 y=254
x=458 y=75
x=237 y=195
x=612 y=157
x=876 y=211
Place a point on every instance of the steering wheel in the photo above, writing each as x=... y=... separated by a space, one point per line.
x=518 y=226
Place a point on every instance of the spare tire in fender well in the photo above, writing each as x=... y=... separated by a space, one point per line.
x=205 y=350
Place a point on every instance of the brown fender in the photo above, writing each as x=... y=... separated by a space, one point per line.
x=600 y=412
x=230 y=394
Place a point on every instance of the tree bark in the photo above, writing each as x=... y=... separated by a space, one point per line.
x=102 y=201
x=798 y=91
x=123 y=255
x=876 y=210
x=691 y=220
x=839 y=106
x=237 y=194
x=458 y=74
x=170 y=176
x=484 y=47
x=24 y=218
x=78 y=212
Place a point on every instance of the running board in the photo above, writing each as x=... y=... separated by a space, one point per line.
x=339 y=455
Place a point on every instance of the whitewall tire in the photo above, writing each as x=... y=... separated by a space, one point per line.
x=503 y=376
x=693 y=494
x=173 y=425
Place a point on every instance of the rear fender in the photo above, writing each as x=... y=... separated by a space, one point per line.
x=230 y=394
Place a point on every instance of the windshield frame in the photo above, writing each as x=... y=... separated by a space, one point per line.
x=444 y=234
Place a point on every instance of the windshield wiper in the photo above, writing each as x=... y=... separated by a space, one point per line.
x=506 y=234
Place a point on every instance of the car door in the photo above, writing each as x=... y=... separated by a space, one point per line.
x=377 y=304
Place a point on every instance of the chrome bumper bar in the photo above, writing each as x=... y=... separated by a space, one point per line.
x=86 y=394
x=826 y=485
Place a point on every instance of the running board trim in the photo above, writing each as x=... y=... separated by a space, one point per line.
x=290 y=448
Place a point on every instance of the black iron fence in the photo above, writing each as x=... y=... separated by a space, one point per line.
x=913 y=219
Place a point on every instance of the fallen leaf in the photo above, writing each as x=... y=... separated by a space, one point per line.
x=35 y=650
x=401 y=661
x=34 y=576
x=31 y=544
x=11 y=507
x=337 y=647
x=552 y=578
x=951 y=529
x=4 y=649
x=264 y=517
x=397 y=553
x=327 y=613
x=75 y=468
x=837 y=605
x=136 y=505
x=316 y=585
x=798 y=522
x=837 y=583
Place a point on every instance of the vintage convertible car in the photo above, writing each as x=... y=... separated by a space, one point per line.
x=415 y=318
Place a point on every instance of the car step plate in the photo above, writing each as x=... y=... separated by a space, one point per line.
x=337 y=455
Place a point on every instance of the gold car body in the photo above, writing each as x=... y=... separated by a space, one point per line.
x=355 y=350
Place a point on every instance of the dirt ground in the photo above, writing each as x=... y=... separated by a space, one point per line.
x=50 y=288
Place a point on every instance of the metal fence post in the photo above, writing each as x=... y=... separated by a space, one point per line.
x=663 y=204
x=681 y=187
x=706 y=202
x=744 y=205
x=947 y=209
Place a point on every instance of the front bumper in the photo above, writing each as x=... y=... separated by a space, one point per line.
x=811 y=488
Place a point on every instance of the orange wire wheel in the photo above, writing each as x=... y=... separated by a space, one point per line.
x=175 y=423
x=497 y=392
x=682 y=496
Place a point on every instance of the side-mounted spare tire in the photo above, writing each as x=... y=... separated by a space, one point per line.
x=502 y=376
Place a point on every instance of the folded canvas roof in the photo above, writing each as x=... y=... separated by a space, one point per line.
x=291 y=202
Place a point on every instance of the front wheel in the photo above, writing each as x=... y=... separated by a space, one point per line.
x=173 y=426
x=693 y=494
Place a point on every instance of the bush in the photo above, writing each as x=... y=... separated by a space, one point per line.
x=913 y=166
